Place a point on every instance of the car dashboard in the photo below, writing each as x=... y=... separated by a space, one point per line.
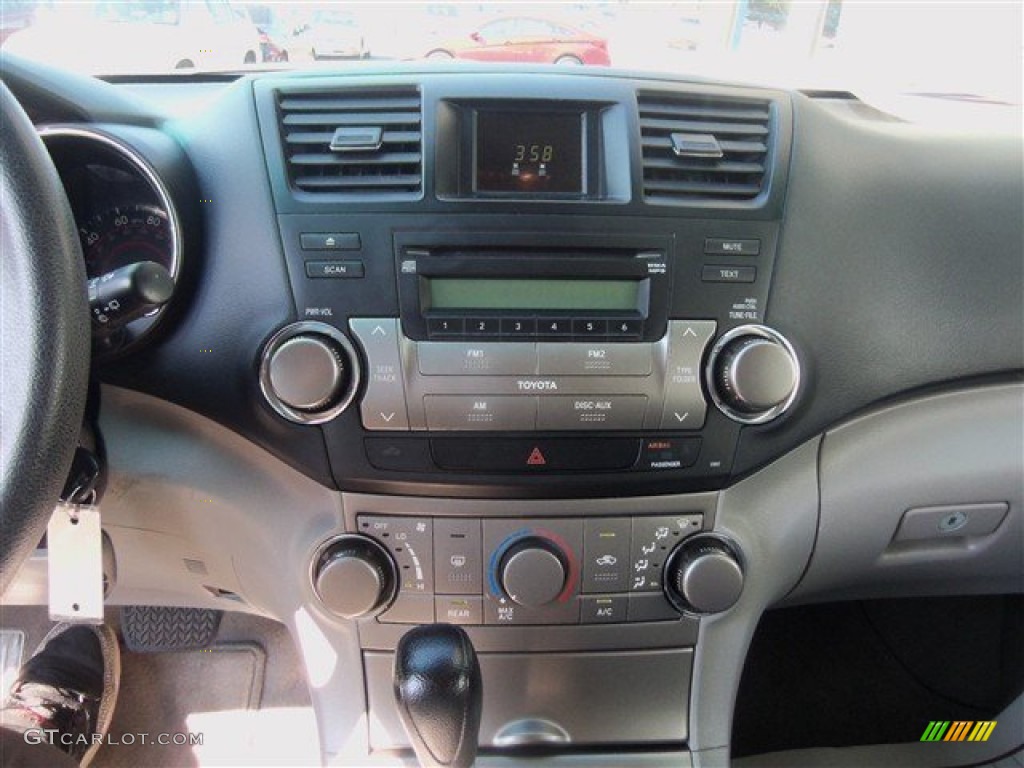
x=598 y=365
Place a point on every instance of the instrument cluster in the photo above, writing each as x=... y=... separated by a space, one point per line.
x=129 y=231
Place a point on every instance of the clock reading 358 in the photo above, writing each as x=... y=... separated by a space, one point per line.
x=529 y=152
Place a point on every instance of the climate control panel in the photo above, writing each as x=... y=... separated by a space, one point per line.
x=499 y=571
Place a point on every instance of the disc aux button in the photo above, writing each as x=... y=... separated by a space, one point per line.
x=591 y=412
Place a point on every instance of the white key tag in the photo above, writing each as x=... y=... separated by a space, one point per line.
x=75 y=563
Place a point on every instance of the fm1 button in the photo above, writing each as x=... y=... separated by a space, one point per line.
x=606 y=609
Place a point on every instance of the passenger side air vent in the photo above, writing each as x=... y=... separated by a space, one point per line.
x=353 y=143
x=699 y=148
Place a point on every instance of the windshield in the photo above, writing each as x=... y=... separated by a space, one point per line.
x=971 y=50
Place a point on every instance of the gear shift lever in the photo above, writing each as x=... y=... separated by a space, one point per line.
x=438 y=691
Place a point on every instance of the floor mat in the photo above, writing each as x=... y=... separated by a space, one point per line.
x=245 y=698
x=161 y=695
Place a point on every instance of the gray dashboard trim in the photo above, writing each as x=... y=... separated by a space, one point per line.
x=772 y=517
x=961 y=447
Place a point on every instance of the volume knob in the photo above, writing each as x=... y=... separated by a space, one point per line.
x=309 y=372
x=753 y=374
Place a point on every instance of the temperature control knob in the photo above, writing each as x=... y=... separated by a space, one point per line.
x=703 y=575
x=753 y=374
x=533 y=572
x=354 y=576
x=309 y=372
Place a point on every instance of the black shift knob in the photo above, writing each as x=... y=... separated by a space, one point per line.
x=438 y=691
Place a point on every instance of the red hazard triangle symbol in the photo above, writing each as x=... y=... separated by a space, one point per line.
x=536 y=458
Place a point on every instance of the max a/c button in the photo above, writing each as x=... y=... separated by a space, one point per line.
x=351 y=268
x=729 y=274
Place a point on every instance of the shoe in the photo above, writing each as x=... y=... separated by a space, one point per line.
x=69 y=686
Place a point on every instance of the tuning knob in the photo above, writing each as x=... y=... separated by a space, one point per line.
x=533 y=572
x=309 y=372
x=753 y=374
x=703 y=575
x=354 y=576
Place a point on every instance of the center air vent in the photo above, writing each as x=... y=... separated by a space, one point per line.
x=699 y=148
x=353 y=143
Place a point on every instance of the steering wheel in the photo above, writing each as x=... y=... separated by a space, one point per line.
x=44 y=337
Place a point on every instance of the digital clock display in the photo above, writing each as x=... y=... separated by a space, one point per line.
x=529 y=152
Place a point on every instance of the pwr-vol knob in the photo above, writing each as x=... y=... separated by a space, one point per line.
x=753 y=374
x=309 y=372
x=354 y=576
x=703 y=575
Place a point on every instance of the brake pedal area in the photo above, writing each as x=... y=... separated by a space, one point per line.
x=149 y=629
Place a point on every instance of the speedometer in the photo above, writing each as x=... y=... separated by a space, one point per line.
x=127 y=235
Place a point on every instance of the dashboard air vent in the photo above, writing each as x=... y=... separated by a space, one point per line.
x=699 y=148
x=354 y=143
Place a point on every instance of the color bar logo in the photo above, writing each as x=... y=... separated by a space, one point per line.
x=959 y=730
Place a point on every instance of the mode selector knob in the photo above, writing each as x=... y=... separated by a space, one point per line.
x=533 y=572
x=753 y=374
x=354 y=576
x=309 y=372
x=703 y=575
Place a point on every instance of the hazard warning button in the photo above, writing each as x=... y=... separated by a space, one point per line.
x=524 y=455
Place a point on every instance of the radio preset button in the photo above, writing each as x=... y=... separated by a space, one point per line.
x=554 y=326
x=445 y=326
x=482 y=326
x=591 y=412
x=445 y=358
x=583 y=327
x=484 y=412
x=595 y=359
x=626 y=328
x=518 y=326
x=383 y=405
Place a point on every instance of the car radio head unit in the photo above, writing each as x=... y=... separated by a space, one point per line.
x=552 y=294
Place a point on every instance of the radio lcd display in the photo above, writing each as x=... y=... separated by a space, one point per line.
x=529 y=152
x=533 y=294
